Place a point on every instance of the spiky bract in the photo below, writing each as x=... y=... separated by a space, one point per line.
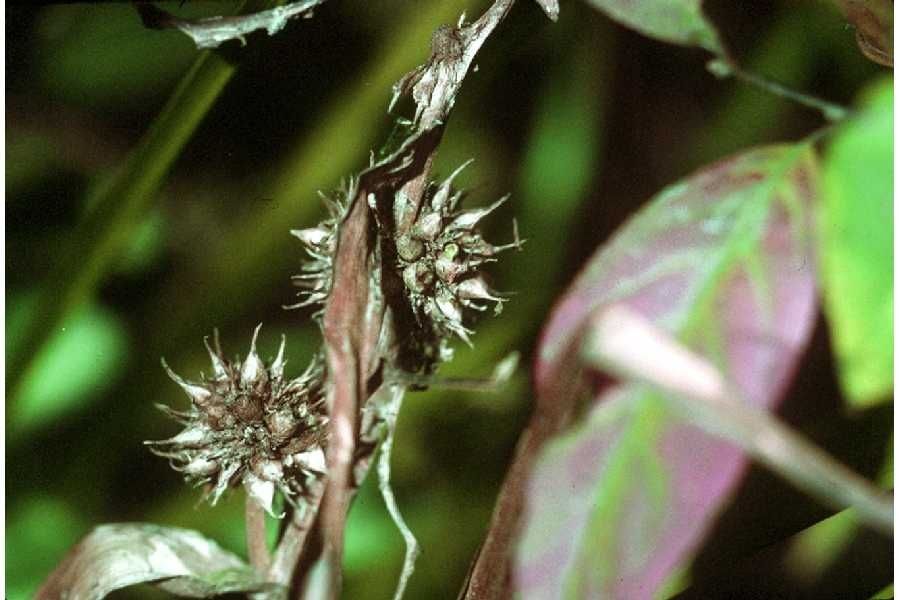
x=248 y=425
x=438 y=258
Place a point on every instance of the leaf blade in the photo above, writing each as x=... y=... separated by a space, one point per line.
x=676 y=21
x=856 y=247
x=115 y=556
x=724 y=260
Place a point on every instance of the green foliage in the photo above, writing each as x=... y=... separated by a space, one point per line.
x=676 y=21
x=39 y=530
x=88 y=57
x=857 y=247
x=79 y=363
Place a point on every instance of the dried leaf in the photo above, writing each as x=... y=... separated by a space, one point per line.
x=874 y=23
x=213 y=31
x=180 y=561
x=550 y=8
x=356 y=341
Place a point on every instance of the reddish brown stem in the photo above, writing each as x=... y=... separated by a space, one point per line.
x=257 y=549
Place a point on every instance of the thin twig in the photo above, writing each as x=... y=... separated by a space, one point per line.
x=494 y=383
x=384 y=484
x=723 y=67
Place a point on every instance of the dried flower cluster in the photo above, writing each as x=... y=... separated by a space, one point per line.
x=321 y=244
x=247 y=424
x=438 y=258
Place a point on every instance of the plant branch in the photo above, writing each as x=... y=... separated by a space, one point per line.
x=213 y=31
x=726 y=67
x=284 y=562
x=355 y=310
x=114 y=207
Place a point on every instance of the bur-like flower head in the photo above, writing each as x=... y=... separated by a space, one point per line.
x=440 y=258
x=320 y=243
x=248 y=425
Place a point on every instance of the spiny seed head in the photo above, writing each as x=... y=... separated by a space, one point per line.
x=320 y=243
x=437 y=258
x=248 y=425
x=440 y=257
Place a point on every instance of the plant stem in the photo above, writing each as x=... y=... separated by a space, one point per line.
x=293 y=542
x=255 y=521
x=113 y=209
x=384 y=485
x=726 y=67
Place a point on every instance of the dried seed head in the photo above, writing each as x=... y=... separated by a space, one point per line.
x=320 y=243
x=247 y=425
x=440 y=257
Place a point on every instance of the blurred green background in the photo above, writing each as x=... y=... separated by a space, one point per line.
x=580 y=120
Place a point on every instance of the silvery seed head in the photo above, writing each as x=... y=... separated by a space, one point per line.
x=248 y=425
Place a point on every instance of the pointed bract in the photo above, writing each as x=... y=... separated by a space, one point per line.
x=470 y=218
x=218 y=364
x=277 y=368
x=314 y=236
x=261 y=491
x=199 y=394
x=253 y=369
x=245 y=427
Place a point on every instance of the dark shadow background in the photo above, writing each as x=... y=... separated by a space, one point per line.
x=582 y=121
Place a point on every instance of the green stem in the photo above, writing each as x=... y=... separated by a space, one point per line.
x=114 y=208
x=725 y=67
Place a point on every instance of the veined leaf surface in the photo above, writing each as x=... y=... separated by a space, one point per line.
x=723 y=260
x=181 y=561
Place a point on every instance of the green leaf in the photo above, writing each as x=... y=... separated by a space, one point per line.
x=78 y=362
x=146 y=245
x=101 y=55
x=856 y=247
x=38 y=532
x=676 y=21
x=181 y=561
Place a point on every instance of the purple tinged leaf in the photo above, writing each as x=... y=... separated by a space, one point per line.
x=724 y=261
x=180 y=561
